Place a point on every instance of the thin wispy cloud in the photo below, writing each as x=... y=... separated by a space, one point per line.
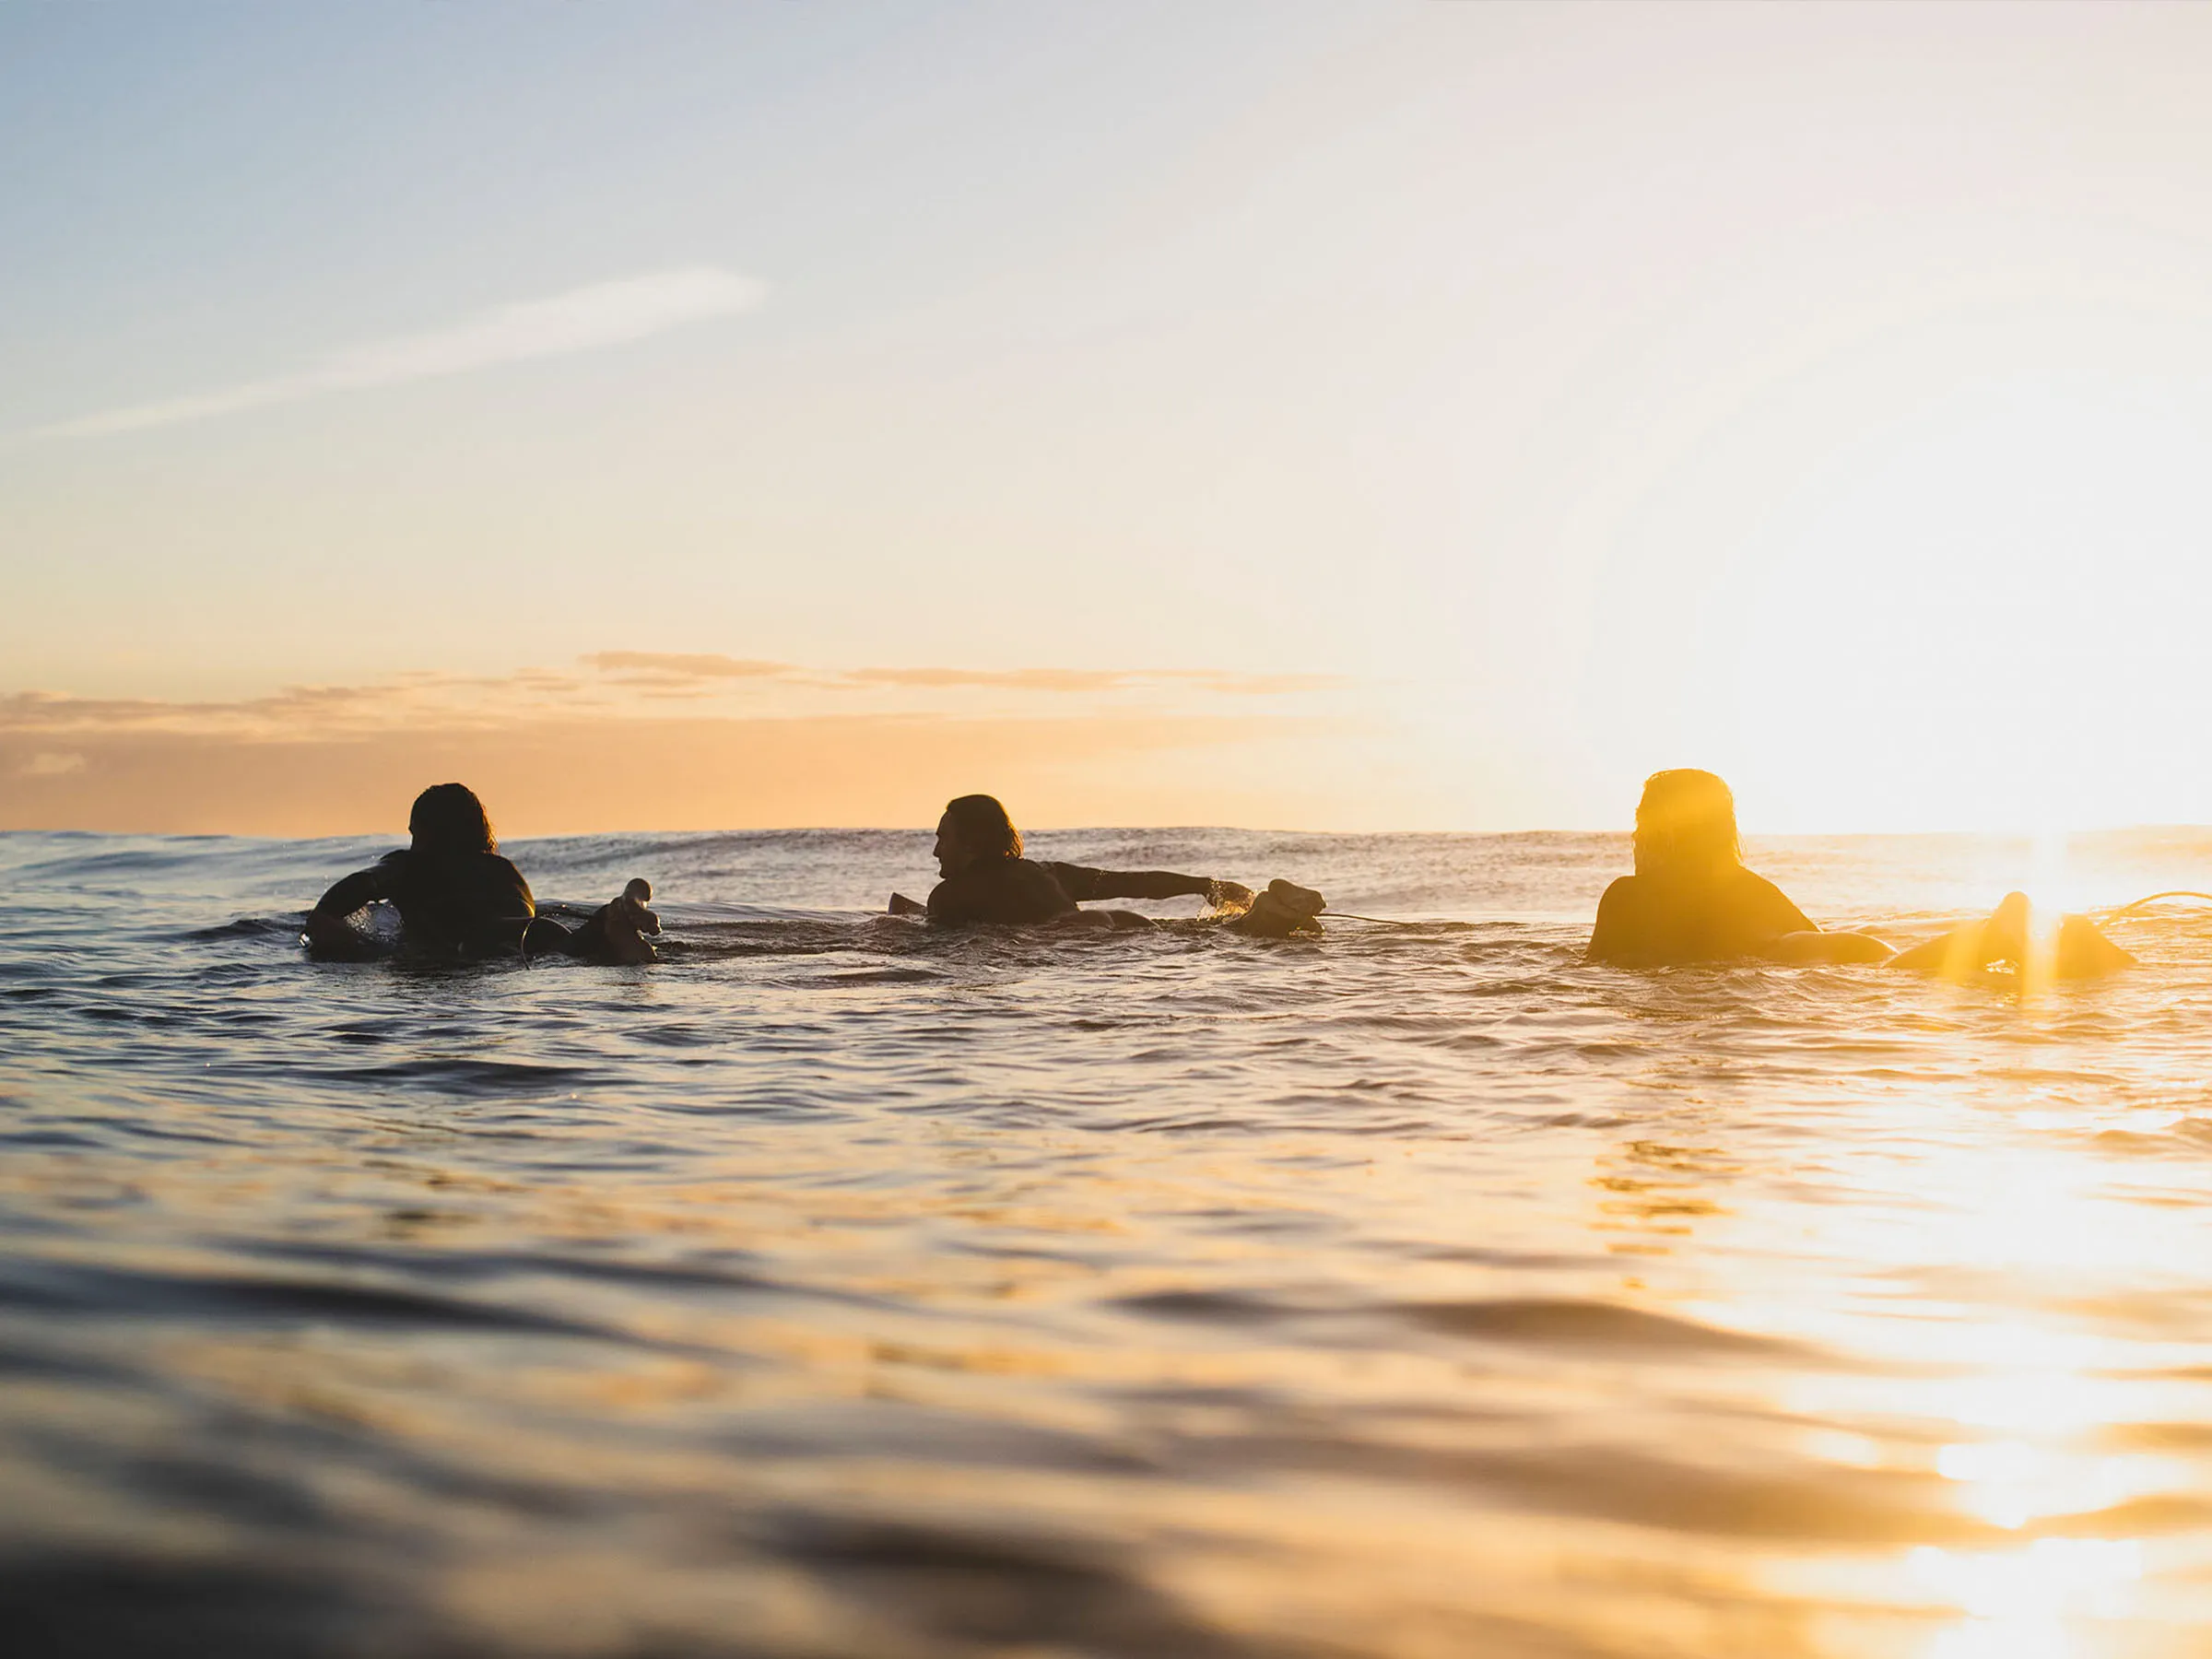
x=585 y=319
x=689 y=664
x=1095 y=679
x=670 y=666
x=621 y=684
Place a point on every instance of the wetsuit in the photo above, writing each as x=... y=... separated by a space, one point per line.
x=465 y=904
x=1002 y=890
x=1018 y=891
x=1646 y=922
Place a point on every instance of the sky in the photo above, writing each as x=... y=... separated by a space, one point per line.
x=1321 y=416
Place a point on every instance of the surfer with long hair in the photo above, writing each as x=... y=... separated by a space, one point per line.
x=1693 y=899
x=457 y=896
x=986 y=878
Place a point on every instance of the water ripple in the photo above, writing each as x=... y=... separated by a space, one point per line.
x=837 y=1287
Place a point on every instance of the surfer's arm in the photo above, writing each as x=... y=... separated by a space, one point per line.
x=1806 y=947
x=1610 y=935
x=952 y=904
x=1785 y=933
x=1798 y=940
x=326 y=927
x=347 y=895
x=1081 y=883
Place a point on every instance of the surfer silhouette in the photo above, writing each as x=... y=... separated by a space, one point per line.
x=987 y=879
x=457 y=896
x=1692 y=900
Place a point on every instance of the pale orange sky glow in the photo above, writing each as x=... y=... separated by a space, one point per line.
x=682 y=741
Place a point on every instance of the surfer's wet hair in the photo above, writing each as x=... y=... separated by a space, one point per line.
x=984 y=829
x=1685 y=824
x=449 y=819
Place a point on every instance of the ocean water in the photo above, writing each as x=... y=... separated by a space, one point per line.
x=836 y=1289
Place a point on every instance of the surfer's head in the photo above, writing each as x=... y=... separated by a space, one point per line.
x=449 y=819
x=974 y=829
x=1686 y=825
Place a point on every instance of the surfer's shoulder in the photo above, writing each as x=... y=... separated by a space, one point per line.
x=1774 y=906
x=1623 y=893
x=1618 y=934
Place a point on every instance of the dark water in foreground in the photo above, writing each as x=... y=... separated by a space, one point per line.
x=836 y=1290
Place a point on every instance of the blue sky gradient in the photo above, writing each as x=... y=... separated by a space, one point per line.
x=1550 y=394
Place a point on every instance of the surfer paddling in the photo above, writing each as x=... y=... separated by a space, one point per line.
x=1692 y=900
x=987 y=879
x=457 y=896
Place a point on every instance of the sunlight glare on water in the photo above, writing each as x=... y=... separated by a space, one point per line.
x=836 y=1288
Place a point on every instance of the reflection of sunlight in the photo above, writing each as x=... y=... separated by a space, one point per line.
x=2032 y=1386
x=2019 y=1603
x=2023 y=1394
x=2002 y=1477
x=2036 y=1409
x=2014 y=1210
x=2011 y=1482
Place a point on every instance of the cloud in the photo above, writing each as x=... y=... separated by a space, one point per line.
x=585 y=319
x=1259 y=685
x=1091 y=679
x=1018 y=679
x=292 y=709
x=628 y=685
x=661 y=667
x=690 y=665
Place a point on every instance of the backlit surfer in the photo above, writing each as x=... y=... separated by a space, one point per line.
x=986 y=879
x=457 y=896
x=1692 y=900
